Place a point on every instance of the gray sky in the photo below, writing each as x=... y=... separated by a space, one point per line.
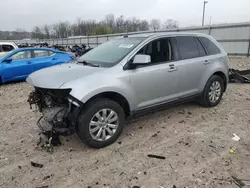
x=29 y=13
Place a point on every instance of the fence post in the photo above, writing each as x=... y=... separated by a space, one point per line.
x=107 y=37
x=97 y=40
x=248 y=52
x=80 y=40
x=88 y=39
x=209 y=30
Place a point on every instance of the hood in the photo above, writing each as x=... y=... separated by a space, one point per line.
x=54 y=77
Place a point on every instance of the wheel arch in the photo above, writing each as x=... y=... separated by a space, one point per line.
x=117 y=97
x=223 y=76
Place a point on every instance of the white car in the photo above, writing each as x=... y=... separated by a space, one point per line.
x=7 y=46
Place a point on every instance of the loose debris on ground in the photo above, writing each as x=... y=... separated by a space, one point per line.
x=197 y=151
x=37 y=165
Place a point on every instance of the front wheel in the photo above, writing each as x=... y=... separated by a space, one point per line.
x=213 y=92
x=101 y=123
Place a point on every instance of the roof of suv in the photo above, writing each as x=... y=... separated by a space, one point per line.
x=147 y=35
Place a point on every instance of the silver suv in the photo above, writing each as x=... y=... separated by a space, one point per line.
x=125 y=77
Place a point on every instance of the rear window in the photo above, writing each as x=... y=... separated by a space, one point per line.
x=187 y=47
x=210 y=46
x=7 y=48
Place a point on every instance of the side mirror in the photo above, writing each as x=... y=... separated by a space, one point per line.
x=8 y=60
x=142 y=59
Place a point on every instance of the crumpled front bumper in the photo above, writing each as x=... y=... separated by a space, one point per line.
x=59 y=110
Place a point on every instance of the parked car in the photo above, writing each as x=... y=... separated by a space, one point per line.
x=126 y=77
x=18 y=64
x=7 y=46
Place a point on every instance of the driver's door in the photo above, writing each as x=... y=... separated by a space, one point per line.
x=20 y=66
x=156 y=82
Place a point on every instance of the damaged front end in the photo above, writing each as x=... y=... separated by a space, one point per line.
x=59 y=110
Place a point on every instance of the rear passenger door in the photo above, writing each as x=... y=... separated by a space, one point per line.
x=43 y=59
x=191 y=65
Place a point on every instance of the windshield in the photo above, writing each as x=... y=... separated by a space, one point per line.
x=110 y=53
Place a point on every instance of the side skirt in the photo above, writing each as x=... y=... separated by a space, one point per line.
x=162 y=106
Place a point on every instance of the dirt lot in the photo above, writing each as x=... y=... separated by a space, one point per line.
x=195 y=141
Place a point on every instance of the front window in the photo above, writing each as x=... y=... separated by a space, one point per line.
x=110 y=53
x=22 y=55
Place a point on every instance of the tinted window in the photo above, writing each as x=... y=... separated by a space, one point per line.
x=41 y=53
x=7 y=48
x=210 y=46
x=202 y=51
x=21 y=55
x=160 y=50
x=187 y=47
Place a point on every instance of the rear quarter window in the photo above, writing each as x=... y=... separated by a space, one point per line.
x=51 y=53
x=210 y=47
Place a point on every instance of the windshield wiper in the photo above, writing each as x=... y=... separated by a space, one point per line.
x=88 y=64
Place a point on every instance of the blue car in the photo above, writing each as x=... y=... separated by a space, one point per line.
x=18 y=64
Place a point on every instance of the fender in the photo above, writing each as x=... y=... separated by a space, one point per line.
x=85 y=90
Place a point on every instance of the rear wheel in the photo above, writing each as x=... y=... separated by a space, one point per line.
x=101 y=123
x=213 y=92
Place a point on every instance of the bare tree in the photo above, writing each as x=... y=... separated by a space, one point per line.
x=108 y=25
x=120 y=24
x=47 y=31
x=110 y=21
x=144 y=25
x=55 y=29
x=63 y=29
x=37 y=33
x=171 y=24
x=155 y=24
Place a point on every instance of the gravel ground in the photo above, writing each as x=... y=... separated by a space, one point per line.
x=195 y=141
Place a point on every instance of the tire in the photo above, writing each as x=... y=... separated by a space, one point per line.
x=206 y=100
x=89 y=115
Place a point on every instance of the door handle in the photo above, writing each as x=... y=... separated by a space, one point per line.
x=206 y=62
x=172 y=68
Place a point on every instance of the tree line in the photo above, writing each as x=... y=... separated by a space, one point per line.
x=110 y=24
